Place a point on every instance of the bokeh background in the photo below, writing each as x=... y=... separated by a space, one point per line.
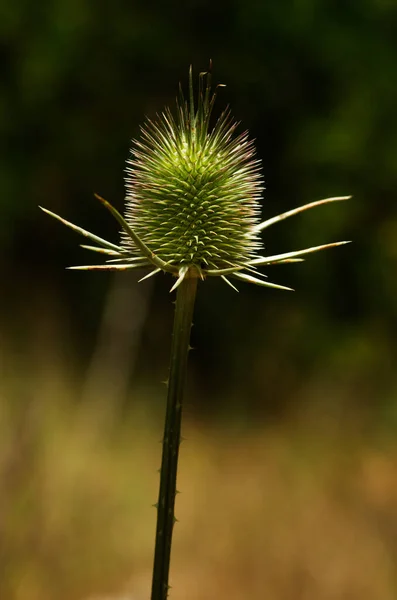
x=289 y=470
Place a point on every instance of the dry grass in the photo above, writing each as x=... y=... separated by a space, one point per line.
x=289 y=513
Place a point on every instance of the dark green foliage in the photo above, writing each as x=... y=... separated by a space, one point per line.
x=313 y=81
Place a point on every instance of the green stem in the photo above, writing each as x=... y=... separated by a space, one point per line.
x=186 y=294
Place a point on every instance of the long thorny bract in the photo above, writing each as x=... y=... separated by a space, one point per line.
x=192 y=206
x=128 y=260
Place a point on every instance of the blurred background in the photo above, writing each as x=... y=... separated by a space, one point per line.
x=289 y=470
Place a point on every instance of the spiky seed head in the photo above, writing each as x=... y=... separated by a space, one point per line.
x=192 y=204
x=193 y=190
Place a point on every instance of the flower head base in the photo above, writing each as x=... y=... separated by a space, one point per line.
x=193 y=200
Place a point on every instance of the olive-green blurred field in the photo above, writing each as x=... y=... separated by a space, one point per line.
x=289 y=470
x=303 y=510
x=298 y=507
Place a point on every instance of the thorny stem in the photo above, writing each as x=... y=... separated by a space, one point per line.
x=185 y=298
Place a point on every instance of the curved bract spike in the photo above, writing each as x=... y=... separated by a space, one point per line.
x=147 y=253
x=227 y=271
x=255 y=271
x=130 y=259
x=250 y=279
x=276 y=258
x=288 y=260
x=295 y=211
x=124 y=267
x=83 y=232
x=225 y=279
x=104 y=251
x=200 y=272
x=182 y=274
x=149 y=275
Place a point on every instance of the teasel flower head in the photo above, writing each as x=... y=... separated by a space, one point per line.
x=193 y=192
x=193 y=199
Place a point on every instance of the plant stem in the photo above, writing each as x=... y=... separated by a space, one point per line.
x=186 y=294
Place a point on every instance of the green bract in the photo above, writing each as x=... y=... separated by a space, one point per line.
x=193 y=199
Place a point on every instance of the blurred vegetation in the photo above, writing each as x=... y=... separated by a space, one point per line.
x=304 y=509
x=82 y=355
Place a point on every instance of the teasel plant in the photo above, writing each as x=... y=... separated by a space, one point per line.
x=192 y=210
